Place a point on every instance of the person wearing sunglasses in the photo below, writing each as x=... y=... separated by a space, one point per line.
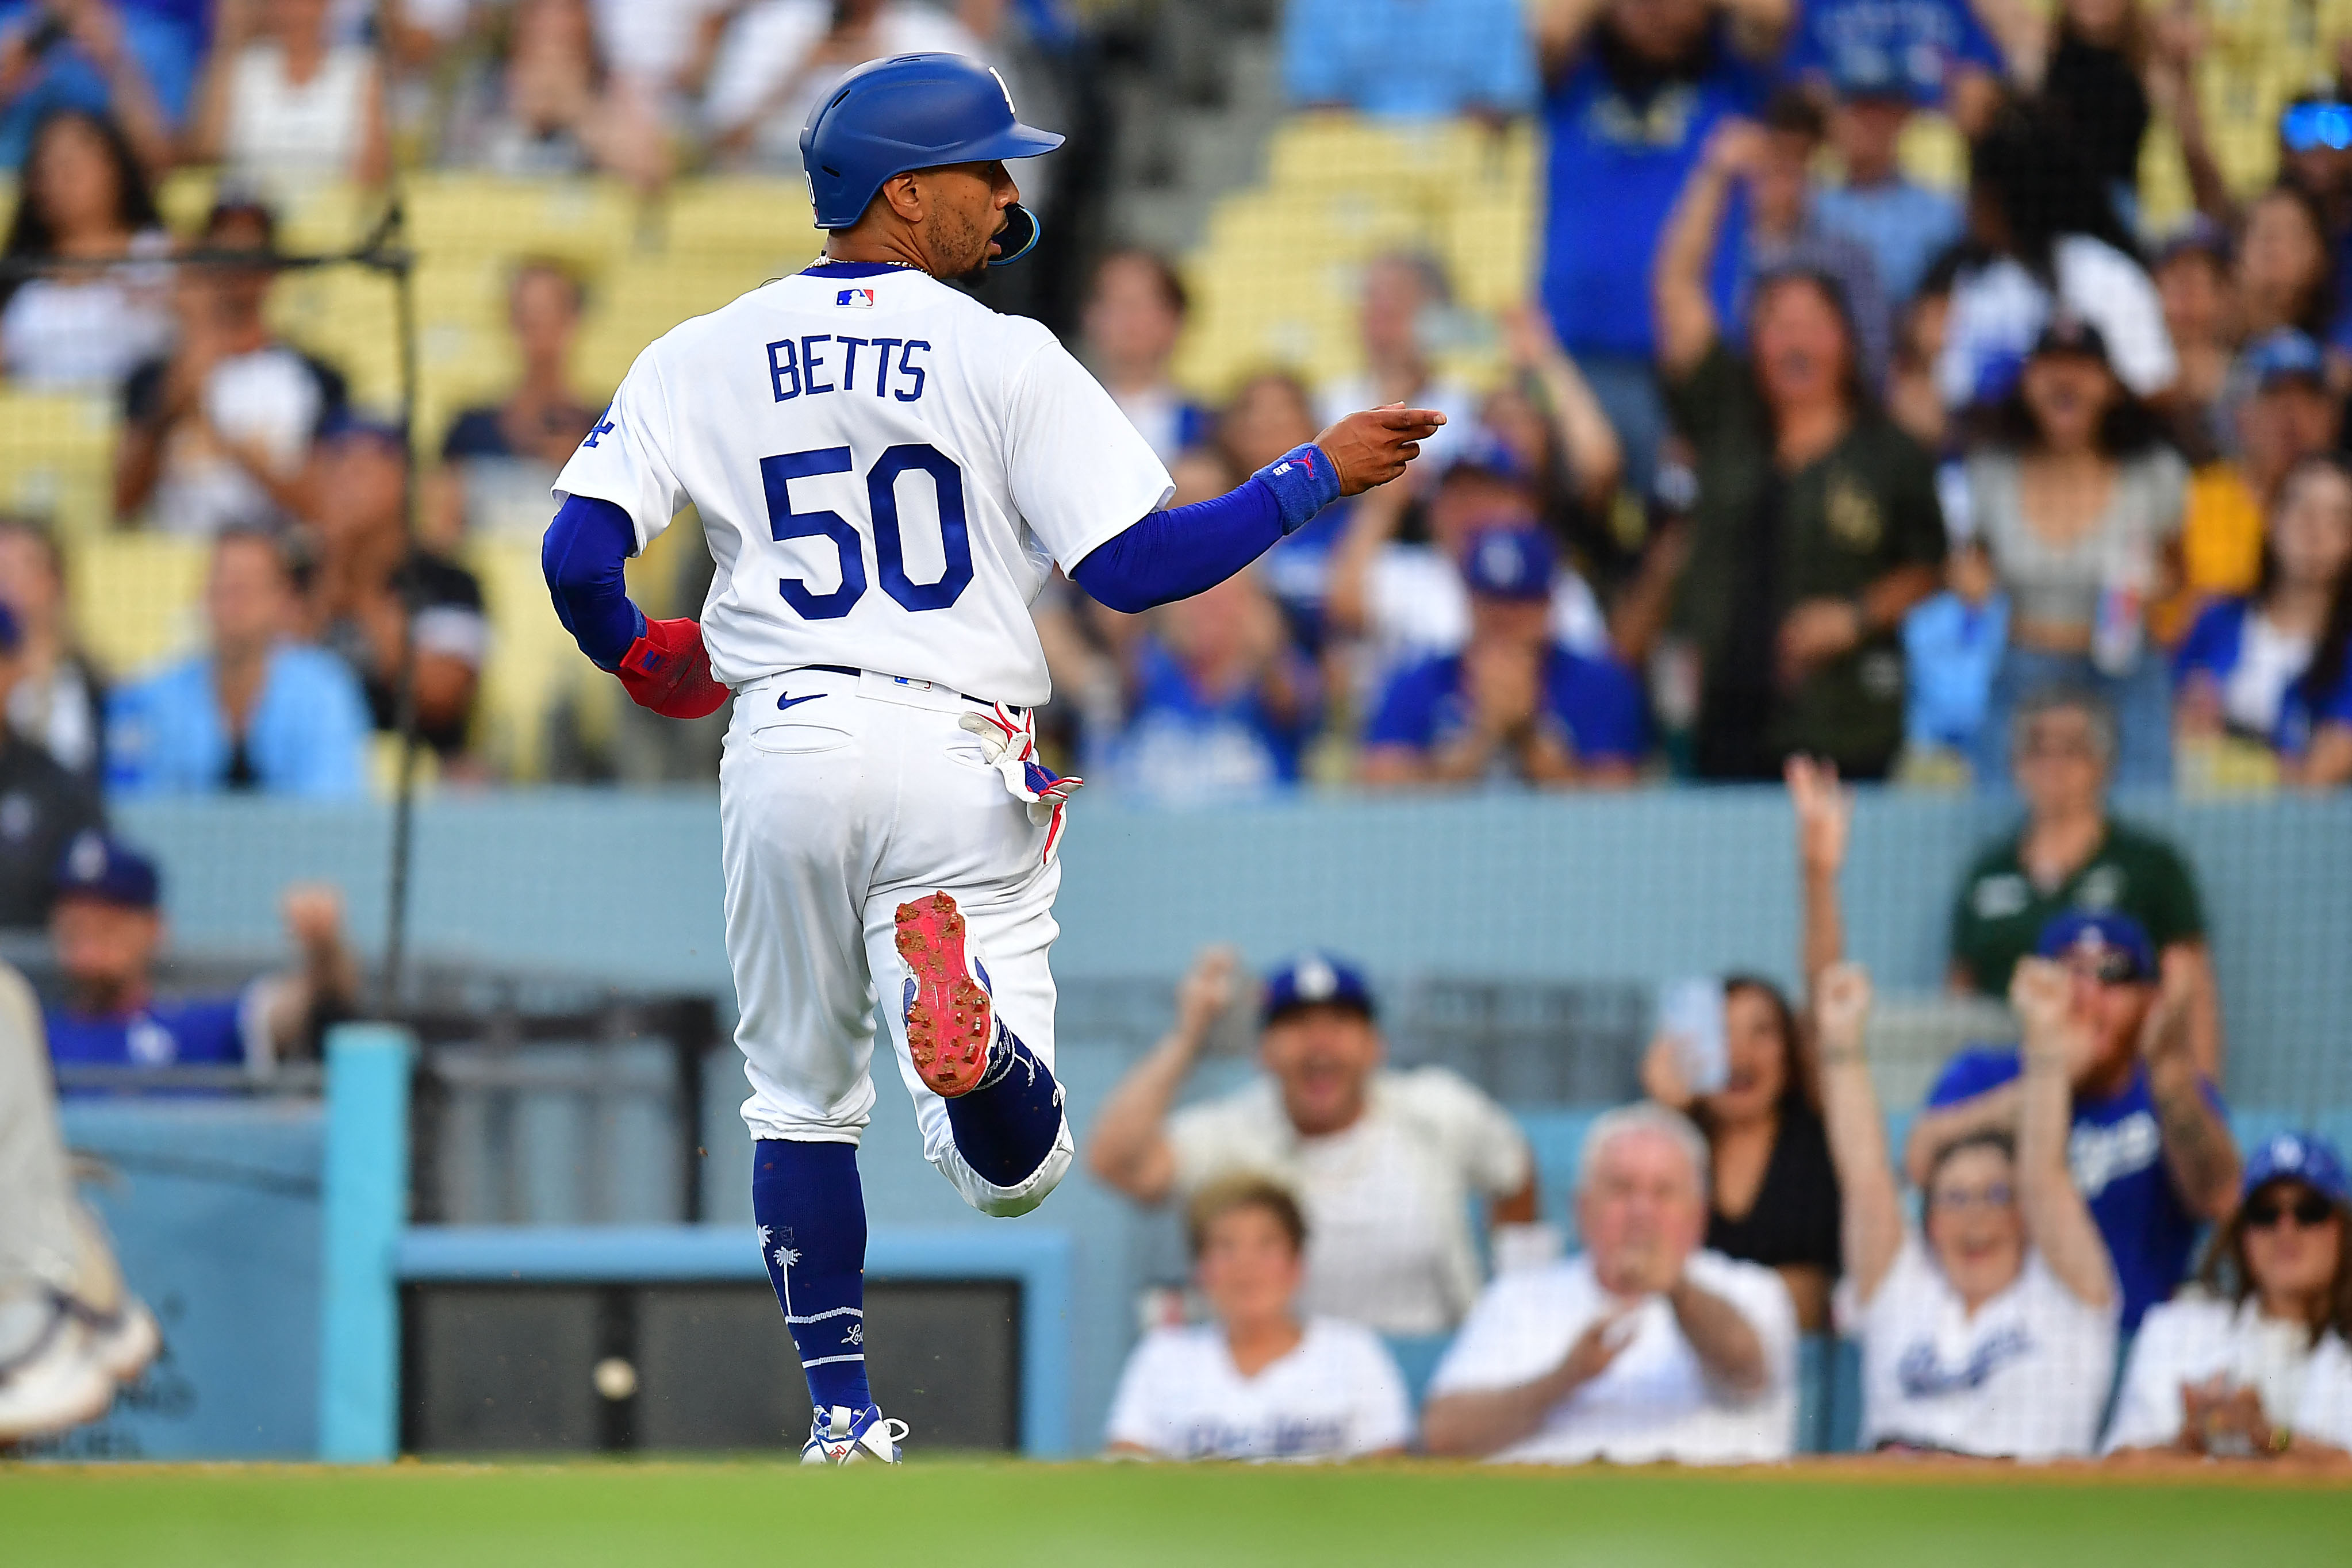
x=2149 y=1145
x=2256 y=1365
x=1988 y=1327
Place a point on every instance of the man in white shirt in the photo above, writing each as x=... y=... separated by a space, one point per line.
x=1384 y=1163
x=1641 y=1348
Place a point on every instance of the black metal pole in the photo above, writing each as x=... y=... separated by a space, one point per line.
x=403 y=798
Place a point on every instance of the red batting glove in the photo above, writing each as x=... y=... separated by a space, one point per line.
x=667 y=670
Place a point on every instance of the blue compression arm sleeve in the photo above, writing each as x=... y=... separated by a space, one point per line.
x=1186 y=550
x=587 y=547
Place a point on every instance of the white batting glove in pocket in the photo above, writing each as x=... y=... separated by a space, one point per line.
x=1010 y=746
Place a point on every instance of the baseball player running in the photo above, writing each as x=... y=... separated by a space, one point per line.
x=888 y=473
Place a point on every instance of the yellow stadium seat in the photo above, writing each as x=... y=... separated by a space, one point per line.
x=56 y=459
x=719 y=218
x=586 y=221
x=136 y=597
x=530 y=656
x=641 y=298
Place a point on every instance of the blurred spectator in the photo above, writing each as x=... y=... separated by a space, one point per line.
x=2288 y=416
x=2046 y=238
x=2192 y=277
x=777 y=58
x=1384 y=1163
x=499 y=460
x=1903 y=226
x=108 y=61
x=84 y=200
x=1513 y=703
x=2273 y=668
x=1407 y=600
x=1816 y=526
x=1936 y=54
x=2077 y=506
x=42 y=805
x=218 y=432
x=256 y=711
x=2282 y=278
x=372 y=589
x=107 y=929
x=2259 y=1366
x=1408 y=59
x=1398 y=319
x=1988 y=1328
x=284 y=103
x=659 y=47
x=1546 y=414
x=1644 y=1347
x=554 y=105
x=1912 y=401
x=1257 y=1383
x=2091 y=61
x=60 y=698
x=1134 y=318
x=1776 y=231
x=1220 y=703
x=2150 y=1149
x=2070 y=854
x=1633 y=89
x=70 y=1330
x=1772 y=1197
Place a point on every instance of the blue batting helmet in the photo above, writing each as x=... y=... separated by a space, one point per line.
x=914 y=112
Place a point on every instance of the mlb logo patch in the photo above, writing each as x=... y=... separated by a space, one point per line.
x=855 y=298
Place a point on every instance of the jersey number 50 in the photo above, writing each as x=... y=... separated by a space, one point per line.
x=882 y=504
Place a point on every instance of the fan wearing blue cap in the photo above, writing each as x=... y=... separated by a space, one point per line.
x=1385 y=1162
x=2260 y=1363
x=2150 y=1146
x=107 y=932
x=1513 y=704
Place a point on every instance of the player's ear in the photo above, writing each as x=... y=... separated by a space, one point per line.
x=903 y=196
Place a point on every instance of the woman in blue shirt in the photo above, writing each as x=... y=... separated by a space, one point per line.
x=2277 y=666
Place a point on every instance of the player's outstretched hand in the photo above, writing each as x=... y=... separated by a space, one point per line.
x=1373 y=448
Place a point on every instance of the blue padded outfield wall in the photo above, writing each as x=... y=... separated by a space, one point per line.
x=627 y=887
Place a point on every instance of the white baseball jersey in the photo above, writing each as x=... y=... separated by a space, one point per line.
x=1336 y=1396
x=1655 y=1401
x=887 y=472
x=2304 y=1387
x=2025 y=1377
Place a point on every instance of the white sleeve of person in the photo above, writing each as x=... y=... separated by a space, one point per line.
x=1478 y=1136
x=625 y=459
x=1078 y=470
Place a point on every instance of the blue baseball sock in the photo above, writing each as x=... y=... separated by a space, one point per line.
x=1006 y=1127
x=812 y=1214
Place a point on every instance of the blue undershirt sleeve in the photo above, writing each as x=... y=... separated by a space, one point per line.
x=1184 y=551
x=586 y=549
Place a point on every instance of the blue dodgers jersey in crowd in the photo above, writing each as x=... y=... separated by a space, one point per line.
x=2117 y=1154
x=1913 y=44
x=194 y=1031
x=2214 y=645
x=1595 y=701
x=1616 y=167
x=1185 y=746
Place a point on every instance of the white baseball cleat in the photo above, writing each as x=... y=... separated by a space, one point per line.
x=844 y=1437
x=54 y=1383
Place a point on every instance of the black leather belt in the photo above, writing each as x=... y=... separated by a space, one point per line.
x=860 y=674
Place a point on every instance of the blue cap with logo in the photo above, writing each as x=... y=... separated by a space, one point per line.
x=2285 y=355
x=1316 y=979
x=2115 y=941
x=2306 y=1157
x=103 y=867
x=1508 y=563
x=1479 y=450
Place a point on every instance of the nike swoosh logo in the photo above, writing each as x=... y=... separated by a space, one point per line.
x=789 y=701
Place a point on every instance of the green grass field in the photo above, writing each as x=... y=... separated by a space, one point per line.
x=968 y=1515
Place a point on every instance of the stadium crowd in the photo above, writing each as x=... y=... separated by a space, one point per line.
x=1784 y=452
x=2042 y=1294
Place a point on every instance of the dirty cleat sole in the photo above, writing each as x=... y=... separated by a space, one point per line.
x=949 y=1020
